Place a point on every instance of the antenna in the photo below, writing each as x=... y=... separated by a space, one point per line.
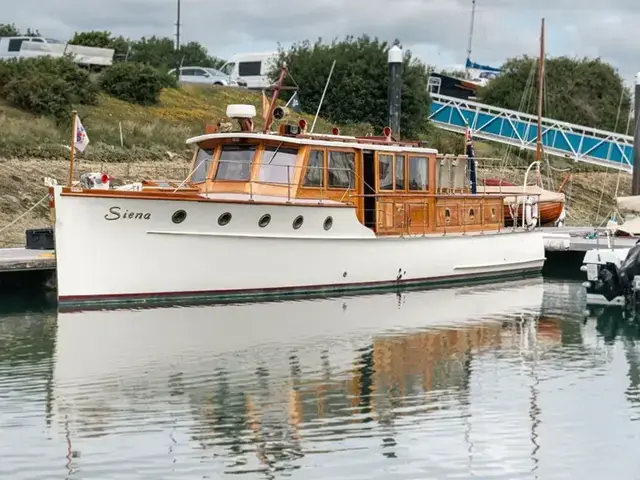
x=326 y=85
x=473 y=18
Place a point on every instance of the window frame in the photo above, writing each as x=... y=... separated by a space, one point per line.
x=194 y=164
x=355 y=163
x=256 y=167
x=394 y=161
x=323 y=182
x=258 y=149
x=427 y=159
x=405 y=159
x=325 y=167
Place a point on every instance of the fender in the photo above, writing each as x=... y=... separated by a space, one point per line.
x=560 y=220
x=531 y=212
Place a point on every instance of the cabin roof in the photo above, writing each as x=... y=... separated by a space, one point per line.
x=340 y=142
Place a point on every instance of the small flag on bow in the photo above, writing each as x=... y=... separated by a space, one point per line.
x=80 y=136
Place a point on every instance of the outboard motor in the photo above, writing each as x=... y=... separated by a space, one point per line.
x=609 y=283
x=613 y=281
x=630 y=267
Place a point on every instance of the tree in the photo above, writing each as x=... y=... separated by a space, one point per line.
x=95 y=38
x=158 y=52
x=8 y=30
x=584 y=91
x=194 y=54
x=358 y=89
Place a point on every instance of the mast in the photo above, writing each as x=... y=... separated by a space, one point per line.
x=540 y=87
x=473 y=17
x=274 y=99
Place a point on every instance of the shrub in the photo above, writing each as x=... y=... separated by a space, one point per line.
x=41 y=94
x=169 y=80
x=133 y=82
x=46 y=85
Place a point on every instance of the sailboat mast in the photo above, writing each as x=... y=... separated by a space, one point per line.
x=473 y=18
x=540 y=87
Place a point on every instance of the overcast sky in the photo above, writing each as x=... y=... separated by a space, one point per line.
x=435 y=30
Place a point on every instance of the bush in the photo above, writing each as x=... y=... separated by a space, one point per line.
x=46 y=85
x=169 y=80
x=41 y=94
x=133 y=82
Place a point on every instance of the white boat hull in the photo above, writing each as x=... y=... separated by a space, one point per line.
x=119 y=250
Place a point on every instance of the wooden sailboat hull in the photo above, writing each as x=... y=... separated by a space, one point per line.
x=548 y=212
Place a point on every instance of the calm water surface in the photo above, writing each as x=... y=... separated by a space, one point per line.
x=504 y=381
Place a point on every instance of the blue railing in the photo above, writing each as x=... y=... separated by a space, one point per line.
x=581 y=144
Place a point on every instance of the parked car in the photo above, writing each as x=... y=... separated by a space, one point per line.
x=207 y=76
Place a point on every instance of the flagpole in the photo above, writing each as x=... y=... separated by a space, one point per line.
x=74 y=116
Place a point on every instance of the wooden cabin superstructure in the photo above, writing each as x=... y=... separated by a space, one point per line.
x=396 y=187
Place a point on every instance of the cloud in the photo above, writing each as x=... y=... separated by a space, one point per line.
x=435 y=30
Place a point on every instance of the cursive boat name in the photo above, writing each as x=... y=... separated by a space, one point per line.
x=116 y=213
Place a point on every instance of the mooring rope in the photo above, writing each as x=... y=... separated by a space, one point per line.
x=24 y=214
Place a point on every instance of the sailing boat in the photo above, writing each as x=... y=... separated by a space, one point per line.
x=551 y=204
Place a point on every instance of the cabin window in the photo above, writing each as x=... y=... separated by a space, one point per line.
x=278 y=165
x=418 y=173
x=204 y=156
x=385 y=172
x=400 y=172
x=341 y=169
x=235 y=162
x=314 y=176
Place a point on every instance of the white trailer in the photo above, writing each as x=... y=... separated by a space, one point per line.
x=26 y=47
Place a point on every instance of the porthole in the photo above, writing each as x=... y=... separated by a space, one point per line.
x=264 y=220
x=328 y=223
x=179 y=216
x=297 y=222
x=224 y=219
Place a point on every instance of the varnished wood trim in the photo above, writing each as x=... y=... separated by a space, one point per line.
x=186 y=197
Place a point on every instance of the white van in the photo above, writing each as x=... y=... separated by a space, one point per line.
x=251 y=67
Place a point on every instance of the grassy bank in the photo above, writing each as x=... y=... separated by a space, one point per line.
x=149 y=133
x=153 y=145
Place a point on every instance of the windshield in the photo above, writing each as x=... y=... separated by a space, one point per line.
x=52 y=40
x=227 y=68
x=215 y=72
x=278 y=165
x=235 y=162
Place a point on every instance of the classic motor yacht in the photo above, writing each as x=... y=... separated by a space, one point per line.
x=267 y=214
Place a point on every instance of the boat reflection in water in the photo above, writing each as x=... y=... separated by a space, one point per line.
x=264 y=385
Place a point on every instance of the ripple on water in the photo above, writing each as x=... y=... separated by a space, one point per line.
x=502 y=381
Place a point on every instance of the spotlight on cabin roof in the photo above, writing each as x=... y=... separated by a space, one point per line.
x=241 y=111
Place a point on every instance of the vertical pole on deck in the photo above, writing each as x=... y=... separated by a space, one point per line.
x=72 y=154
x=395 y=89
x=635 y=182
